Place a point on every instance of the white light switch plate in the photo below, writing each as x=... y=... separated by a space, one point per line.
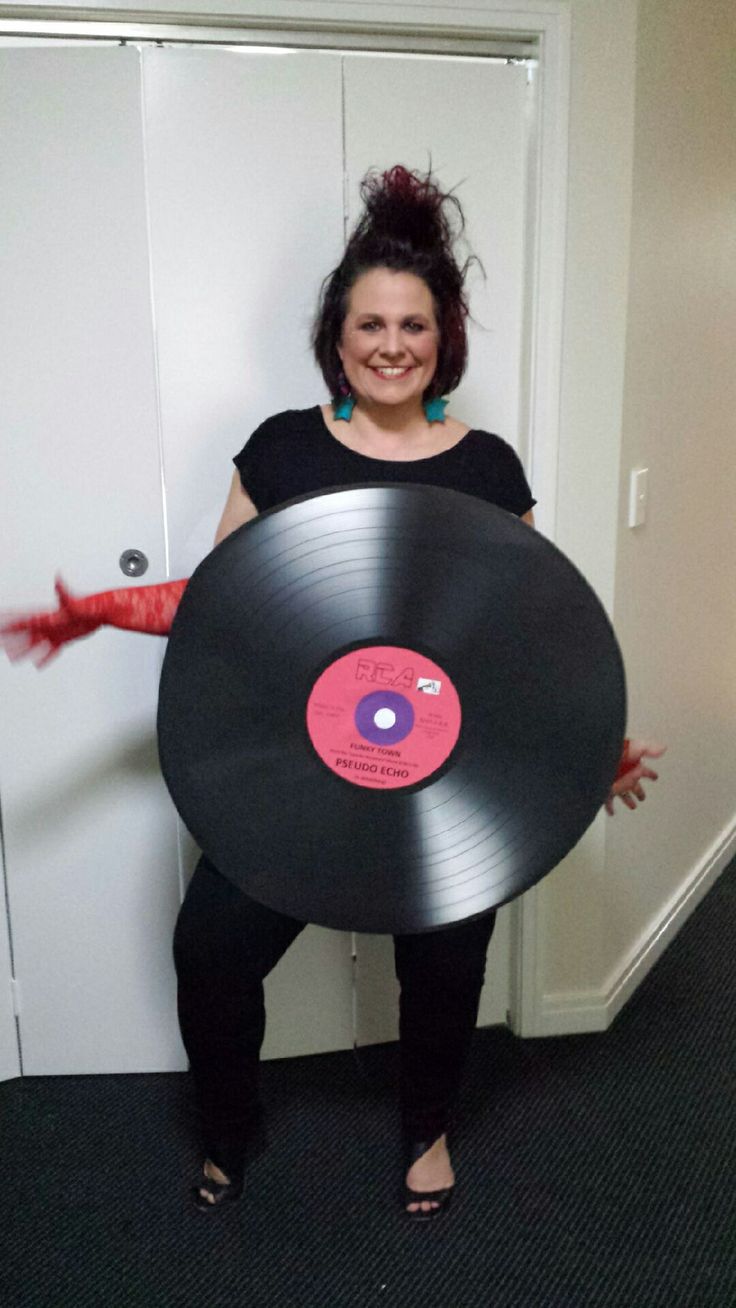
x=638 y=495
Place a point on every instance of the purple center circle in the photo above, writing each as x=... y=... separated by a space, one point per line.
x=370 y=705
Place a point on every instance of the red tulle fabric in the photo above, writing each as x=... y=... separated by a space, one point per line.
x=625 y=763
x=136 y=608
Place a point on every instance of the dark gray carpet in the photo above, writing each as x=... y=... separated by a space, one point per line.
x=592 y=1170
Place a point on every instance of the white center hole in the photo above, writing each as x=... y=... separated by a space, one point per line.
x=384 y=718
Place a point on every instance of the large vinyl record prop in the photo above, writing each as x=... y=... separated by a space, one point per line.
x=389 y=708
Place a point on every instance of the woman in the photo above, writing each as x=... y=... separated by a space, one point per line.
x=390 y=339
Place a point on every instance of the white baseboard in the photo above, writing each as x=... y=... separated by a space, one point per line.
x=594 y=1010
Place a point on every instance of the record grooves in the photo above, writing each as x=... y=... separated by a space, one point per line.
x=389 y=708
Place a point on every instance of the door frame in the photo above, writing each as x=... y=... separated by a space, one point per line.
x=499 y=28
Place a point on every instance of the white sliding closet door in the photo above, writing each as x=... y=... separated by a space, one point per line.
x=90 y=838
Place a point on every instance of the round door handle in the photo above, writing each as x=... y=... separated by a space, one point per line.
x=133 y=563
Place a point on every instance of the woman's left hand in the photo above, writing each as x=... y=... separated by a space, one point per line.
x=631 y=772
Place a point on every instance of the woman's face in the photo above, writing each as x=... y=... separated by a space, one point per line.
x=390 y=337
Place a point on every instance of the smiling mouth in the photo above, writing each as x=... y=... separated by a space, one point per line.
x=390 y=374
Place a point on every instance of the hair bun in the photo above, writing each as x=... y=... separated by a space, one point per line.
x=406 y=206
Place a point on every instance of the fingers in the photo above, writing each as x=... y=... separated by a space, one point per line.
x=629 y=790
x=42 y=659
x=630 y=780
x=20 y=633
x=12 y=627
x=22 y=644
x=638 y=749
x=626 y=799
x=63 y=593
x=16 y=643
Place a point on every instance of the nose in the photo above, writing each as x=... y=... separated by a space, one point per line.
x=392 y=345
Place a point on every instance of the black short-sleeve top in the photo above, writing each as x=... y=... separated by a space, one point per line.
x=294 y=453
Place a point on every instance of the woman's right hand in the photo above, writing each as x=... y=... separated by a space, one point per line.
x=39 y=636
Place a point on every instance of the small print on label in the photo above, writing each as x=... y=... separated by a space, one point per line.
x=428 y=686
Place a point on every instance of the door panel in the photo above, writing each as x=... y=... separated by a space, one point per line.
x=89 y=831
x=233 y=339
x=469 y=117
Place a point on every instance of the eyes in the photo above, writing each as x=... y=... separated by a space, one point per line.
x=410 y=325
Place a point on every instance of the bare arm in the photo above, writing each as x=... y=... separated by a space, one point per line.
x=239 y=509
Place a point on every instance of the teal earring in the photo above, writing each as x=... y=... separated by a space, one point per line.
x=343 y=408
x=343 y=405
x=434 y=410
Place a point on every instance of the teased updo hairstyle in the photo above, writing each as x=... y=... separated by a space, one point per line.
x=405 y=227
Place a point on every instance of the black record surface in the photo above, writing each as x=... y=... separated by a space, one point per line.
x=518 y=630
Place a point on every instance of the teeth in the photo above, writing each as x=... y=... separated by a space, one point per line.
x=391 y=372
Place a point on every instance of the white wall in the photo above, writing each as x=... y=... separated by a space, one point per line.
x=675 y=601
x=626 y=890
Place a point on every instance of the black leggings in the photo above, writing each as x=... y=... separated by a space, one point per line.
x=224 y=946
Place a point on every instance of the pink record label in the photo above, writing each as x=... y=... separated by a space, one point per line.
x=383 y=717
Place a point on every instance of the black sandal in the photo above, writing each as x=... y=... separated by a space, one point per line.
x=443 y=1198
x=230 y=1191
x=222 y=1192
